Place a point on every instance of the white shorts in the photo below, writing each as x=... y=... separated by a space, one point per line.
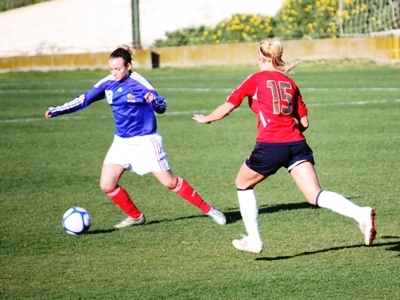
x=139 y=154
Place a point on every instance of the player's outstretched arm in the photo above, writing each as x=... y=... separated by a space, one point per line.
x=219 y=113
x=47 y=114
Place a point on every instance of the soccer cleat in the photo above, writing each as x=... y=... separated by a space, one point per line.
x=131 y=221
x=217 y=216
x=367 y=225
x=245 y=244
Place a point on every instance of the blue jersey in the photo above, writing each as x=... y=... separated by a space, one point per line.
x=133 y=115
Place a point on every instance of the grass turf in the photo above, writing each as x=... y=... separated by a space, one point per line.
x=48 y=166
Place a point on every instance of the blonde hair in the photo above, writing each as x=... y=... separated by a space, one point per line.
x=271 y=50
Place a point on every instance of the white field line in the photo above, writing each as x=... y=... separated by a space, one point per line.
x=200 y=90
x=174 y=113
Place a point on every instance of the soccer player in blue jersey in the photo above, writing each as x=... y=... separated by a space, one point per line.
x=137 y=146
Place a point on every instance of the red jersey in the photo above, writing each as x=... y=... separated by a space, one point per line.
x=277 y=102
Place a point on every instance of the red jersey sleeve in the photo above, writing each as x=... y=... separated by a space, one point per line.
x=247 y=88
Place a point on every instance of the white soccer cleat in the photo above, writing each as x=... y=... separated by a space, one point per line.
x=131 y=221
x=367 y=225
x=217 y=216
x=245 y=244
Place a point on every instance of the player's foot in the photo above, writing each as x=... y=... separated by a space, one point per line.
x=217 y=216
x=367 y=225
x=131 y=221
x=245 y=244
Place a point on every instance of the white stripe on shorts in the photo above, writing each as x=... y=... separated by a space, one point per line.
x=157 y=149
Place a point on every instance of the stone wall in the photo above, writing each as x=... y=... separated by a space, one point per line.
x=380 y=49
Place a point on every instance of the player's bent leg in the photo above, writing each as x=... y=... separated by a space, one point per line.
x=166 y=178
x=187 y=192
x=306 y=179
x=247 y=178
x=249 y=211
x=110 y=176
x=245 y=181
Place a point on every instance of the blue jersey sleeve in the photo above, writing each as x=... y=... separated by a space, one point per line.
x=79 y=103
x=159 y=104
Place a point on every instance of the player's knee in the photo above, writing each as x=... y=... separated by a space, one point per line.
x=171 y=183
x=107 y=187
x=241 y=185
x=168 y=184
x=168 y=180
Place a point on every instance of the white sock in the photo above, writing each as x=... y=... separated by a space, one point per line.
x=249 y=211
x=339 y=204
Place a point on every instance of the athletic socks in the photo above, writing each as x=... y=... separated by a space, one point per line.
x=185 y=191
x=121 y=198
x=249 y=211
x=339 y=204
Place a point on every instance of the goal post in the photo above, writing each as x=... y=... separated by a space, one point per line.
x=373 y=17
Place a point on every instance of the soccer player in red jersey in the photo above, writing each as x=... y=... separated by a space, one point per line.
x=137 y=145
x=281 y=120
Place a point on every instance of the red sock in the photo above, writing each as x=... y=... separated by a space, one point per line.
x=184 y=190
x=121 y=198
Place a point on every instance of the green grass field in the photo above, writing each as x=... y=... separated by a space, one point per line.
x=48 y=166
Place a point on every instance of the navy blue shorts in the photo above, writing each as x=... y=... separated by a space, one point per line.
x=267 y=159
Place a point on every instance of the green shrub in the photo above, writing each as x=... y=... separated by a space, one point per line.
x=11 y=4
x=307 y=18
x=297 y=19
x=242 y=28
x=237 y=28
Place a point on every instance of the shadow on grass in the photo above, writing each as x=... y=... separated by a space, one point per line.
x=234 y=216
x=100 y=231
x=395 y=244
x=395 y=247
x=171 y=220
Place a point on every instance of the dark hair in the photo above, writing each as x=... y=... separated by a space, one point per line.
x=124 y=52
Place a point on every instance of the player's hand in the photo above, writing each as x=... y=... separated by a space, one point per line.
x=149 y=97
x=47 y=114
x=200 y=118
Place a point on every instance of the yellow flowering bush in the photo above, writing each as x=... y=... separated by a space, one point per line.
x=307 y=18
x=237 y=28
x=244 y=28
x=297 y=19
